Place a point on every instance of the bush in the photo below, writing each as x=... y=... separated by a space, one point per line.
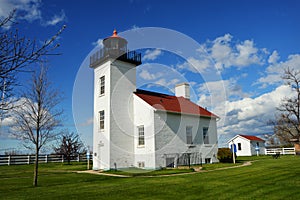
x=225 y=155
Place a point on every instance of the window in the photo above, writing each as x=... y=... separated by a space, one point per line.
x=239 y=146
x=205 y=135
x=141 y=164
x=207 y=160
x=141 y=140
x=257 y=144
x=189 y=135
x=101 y=119
x=102 y=85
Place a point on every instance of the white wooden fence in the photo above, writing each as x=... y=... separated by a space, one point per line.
x=29 y=159
x=282 y=151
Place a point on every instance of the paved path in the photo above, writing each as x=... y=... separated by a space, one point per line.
x=165 y=175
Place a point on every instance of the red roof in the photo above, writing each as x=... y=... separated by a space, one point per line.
x=251 y=137
x=173 y=104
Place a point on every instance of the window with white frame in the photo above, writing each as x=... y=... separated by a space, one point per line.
x=189 y=135
x=205 y=135
x=102 y=85
x=141 y=139
x=101 y=120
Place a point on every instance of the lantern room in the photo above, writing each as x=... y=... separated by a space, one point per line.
x=115 y=47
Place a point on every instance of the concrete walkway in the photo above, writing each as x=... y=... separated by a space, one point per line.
x=248 y=163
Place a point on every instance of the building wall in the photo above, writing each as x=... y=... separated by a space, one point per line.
x=113 y=146
x=248 y=147
x=245 y=146
x=123 y=84
x=101 y=138
x=262 y=149
x=170 y=137
x=144 y=116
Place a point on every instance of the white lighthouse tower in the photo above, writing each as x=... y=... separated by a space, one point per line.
x=114 y=83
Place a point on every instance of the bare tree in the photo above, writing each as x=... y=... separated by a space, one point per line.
x=36 y=116
x=69 y=145
x=16 y=53
x=287 y=122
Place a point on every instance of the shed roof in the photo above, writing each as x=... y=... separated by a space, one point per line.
x=252 y=137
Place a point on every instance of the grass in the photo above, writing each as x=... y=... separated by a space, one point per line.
x=133 y=172
x=266 y=178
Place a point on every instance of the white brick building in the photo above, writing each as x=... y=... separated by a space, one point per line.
x=137 y=128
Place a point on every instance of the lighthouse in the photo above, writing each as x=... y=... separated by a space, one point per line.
x=114 y=84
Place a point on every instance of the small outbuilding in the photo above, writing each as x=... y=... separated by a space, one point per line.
x=247 y=145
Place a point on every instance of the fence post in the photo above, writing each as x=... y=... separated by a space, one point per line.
x=78 y=158
x=28 y=160
x=46 y=158
x=8 y=160
x=62 y=158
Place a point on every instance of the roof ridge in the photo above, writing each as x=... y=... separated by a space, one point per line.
x=173 y=103
x=141 y=91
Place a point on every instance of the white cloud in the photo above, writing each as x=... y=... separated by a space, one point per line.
x=26 y=9
x=275 y=70
x=223 y=52
x=274 y=57
x=170 y=84
x=98 y=43
x=247 y=54
x=145 y=74
x=29 y=10
x=56 y=19
x=214 y=93
x=195 y=65
x=151 y=54
x=250 y=115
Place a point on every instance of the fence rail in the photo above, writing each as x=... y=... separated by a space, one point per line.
x=47 y=158
x=282 y=151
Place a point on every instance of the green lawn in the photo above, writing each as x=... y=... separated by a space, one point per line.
x=266 y=178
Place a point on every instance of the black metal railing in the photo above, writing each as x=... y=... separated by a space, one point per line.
x=126 y=56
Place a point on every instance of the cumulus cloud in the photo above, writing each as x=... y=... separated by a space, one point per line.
x=250 y=115
x=274 y=57
x=223 y=52
x=29 y=10
x=26 y=9
x=195 y=65
x=214 y=93
x=57 y=18
x=151 y=54
x=275 y=70
x=145 y=74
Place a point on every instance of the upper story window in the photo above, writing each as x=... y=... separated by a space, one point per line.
x=141 y=140
x=102 y=85
x=101 y=120
x=205 y=135
x=189 y=135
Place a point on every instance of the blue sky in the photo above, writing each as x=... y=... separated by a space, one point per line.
x=247 y=43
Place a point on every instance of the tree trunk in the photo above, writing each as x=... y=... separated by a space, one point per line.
x=36 y=167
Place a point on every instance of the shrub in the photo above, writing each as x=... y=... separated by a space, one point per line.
x=225 y=155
